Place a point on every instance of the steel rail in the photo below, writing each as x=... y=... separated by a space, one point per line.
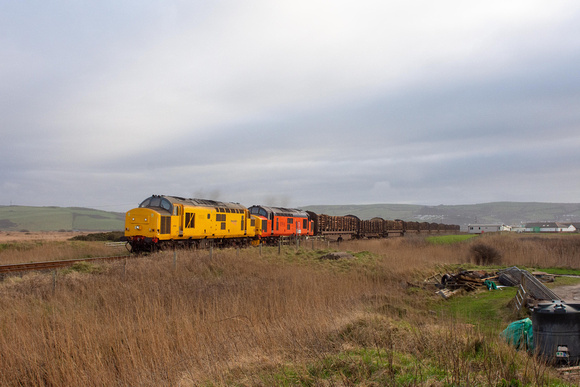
x=15 y=267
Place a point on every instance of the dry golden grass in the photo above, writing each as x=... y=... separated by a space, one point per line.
x=27 y=236
x=537 y=250
x=50 y=250
x=249 y=319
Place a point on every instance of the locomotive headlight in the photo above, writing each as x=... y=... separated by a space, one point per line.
x=137 y=227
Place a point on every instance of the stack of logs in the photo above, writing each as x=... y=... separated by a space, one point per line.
x=337 y=223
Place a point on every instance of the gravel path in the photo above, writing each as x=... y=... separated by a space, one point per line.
x=568 y=292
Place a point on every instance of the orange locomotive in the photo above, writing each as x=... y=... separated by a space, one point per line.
x=279 y=222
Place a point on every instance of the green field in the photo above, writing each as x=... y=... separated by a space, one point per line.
x=449 y=239
x=22 y=218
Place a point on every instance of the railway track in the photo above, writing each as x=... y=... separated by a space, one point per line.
x=17 y=267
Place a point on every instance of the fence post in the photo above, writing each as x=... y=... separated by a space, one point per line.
x=174 y=259
x=53 y=281
x=279 y=245
x=210 y=251
x=125 y=269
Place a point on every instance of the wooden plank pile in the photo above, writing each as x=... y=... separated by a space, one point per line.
x=465 y=280
x=468 y=280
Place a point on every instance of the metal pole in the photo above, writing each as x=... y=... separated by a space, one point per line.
x=279 y=245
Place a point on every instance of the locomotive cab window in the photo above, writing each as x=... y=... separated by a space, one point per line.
x=166 y=205
x=157 y=202
x=145 y=203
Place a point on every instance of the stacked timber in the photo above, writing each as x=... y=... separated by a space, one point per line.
x=412 y=227
x=337 y=223
x=394 y=225
x=374 y=227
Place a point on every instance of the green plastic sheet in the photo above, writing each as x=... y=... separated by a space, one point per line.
x=520 y=334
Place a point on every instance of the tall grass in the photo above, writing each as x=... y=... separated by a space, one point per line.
x=550 y=250
x=249 y=319
x=36 y=251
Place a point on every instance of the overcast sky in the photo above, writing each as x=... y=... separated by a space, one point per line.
x=293 y=103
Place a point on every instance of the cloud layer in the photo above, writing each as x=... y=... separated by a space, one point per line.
x=289 y=103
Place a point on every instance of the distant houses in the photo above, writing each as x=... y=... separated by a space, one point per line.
x=552 y=227
x=537 y=227
x=483 y=228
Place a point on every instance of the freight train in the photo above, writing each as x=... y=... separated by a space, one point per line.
x=163 y=221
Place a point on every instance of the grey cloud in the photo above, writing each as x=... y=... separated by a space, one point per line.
x=106 y=104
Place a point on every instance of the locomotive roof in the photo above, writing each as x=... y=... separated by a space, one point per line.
x=204 y=202
x=201 y=202
x=282 y=211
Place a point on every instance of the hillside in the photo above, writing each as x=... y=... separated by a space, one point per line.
x=19 y=218
x=511 y=213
